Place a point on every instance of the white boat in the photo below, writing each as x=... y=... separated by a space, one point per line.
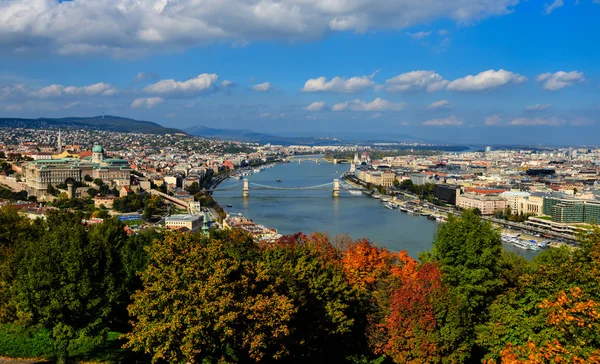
x=256 y=170
x=376 y=195
x=388 y=206
x=386 y=198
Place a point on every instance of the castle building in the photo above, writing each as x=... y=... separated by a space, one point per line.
x=41 y=173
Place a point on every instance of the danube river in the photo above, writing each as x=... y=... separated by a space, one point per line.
x=291 y=211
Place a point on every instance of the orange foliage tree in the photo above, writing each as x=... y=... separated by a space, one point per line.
x=571 y=335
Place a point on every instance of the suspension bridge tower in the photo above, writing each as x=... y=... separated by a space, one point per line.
x=246 y=189
x=336 y=188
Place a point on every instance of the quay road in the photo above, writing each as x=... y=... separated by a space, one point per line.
x=521 y=226
x=510 y=224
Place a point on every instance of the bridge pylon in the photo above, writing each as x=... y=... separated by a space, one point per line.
x=336 y=188
x=246 y=189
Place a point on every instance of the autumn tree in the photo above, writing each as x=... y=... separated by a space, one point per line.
x=331 y=316
x=571 y=333
x=209 y=299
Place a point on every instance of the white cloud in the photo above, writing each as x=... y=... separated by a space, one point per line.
x=416 y=81
x=548 y=8
x=13 y=91
x=537 y=107
x=559 y=80
x=554 y=121
x=226 y=83
x=419 y=35
x=339 y=84
x=146 y=102
x=582 y=121
x=376 y=105
x=262 y=87
x=315 y=106
x=449 y=121
x=443 y=32
x=200 y=84
x=12 y=107
x=492 y=120
x=55 y=90
x=268 y=115
x=126 y=27
x=376 y=115
x=442 y=104
x=143 y=76
x=485 y=80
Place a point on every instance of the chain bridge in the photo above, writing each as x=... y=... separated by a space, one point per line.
x=246 y=186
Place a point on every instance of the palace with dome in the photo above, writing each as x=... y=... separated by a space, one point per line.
x=40 y=173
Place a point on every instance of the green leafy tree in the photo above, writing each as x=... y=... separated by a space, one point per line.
x=469 y=250
x=69 y=282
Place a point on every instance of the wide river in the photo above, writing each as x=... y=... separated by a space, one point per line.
x=291 y=211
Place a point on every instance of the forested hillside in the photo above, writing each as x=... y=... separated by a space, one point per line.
x=72 y=291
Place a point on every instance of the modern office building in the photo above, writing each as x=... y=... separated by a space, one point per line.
x=571 y=210
x=447 y=193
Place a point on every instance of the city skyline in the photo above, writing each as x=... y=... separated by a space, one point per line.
x=504 y=71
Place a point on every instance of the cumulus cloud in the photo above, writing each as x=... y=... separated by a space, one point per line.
x=537 y=107
x=194 y=86
x=582 y=121
x=449 y=121
x=554 y=121
x=339 y=84
x=226 y=83
x=128 y=27
x=55 y=90
x=485 y=80
x=559 y=80
x=144 y=76
x=12 y=107
x=492 y=120
x=416 y=81
x=378 y=104
x=263 y=87
x=419 y=35
x=442 y=104
x=548 y=8
x=315 y=106
x=146 y=102
x=11 y=91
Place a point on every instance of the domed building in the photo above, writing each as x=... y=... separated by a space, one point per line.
x=112 y=171
x=97 y=154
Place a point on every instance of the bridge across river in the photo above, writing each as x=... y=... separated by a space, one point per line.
x=248 y=186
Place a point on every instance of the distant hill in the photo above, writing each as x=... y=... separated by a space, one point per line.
x=290 y=139
x=108 y=123
x=255 y=137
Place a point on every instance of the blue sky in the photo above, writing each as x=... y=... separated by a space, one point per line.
x=469 y=71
